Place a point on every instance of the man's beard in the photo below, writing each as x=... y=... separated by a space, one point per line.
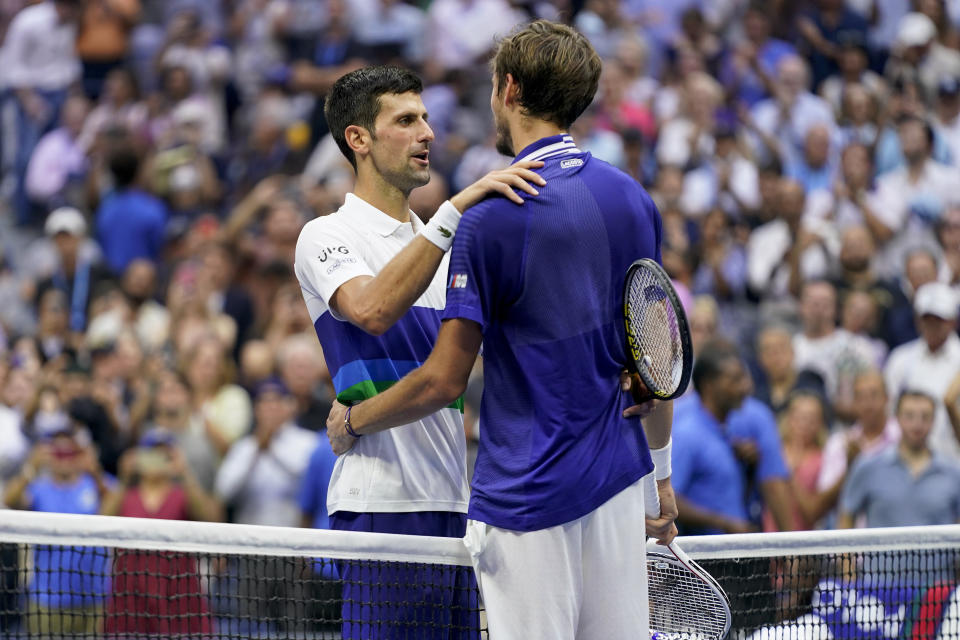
x=504 y=139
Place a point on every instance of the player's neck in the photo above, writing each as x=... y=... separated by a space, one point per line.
x=375 y=191
x=525 y=131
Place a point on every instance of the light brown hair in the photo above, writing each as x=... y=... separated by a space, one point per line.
x=555 y=67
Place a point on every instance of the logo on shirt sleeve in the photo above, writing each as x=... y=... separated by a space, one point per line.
x=329 y=251
x=458 y=281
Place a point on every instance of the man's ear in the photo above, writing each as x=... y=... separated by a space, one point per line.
x=358 y=138
x=510 y=91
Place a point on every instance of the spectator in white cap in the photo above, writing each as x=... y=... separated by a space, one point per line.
x=918 y=56
x=932 y=361
x=77 y=273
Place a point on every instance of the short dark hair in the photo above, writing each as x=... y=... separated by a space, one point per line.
x=711 y=360
x=124 y=165
x=556 y=69
x=354 y=99
x=915 y=393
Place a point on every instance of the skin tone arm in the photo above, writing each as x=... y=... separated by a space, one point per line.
x=375 y=303
x=776 y=495
x=845 y=520
x=201 y=505
x=440 y=381
x=697 y=517
x=443 y=378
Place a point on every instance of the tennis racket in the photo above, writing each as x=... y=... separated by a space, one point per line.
x=685 y=601
x=658 y=336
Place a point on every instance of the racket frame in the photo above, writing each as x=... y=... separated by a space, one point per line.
x=635 y=358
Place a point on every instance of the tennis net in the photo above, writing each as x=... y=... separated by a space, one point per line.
x=99 y=577
x=866 y=584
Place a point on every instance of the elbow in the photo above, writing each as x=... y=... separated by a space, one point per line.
x=373 y=320
x=443 y=389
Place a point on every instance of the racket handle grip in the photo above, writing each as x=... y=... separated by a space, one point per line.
x=651 y=497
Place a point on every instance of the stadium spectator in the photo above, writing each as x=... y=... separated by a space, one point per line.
x=781 y=378
x=707 y=476
x=875 y=430
x=833 y=352
x=750 y=66
x=783 y=253
x=221 y=407
x=58 y=164
x=77 y=274
x=103 y=40
x=157 y=592
x=914 y=197
x=301 y=365
x=930 y=362
x=62 y=475
x=907 y=484
x=805 y=424
x=130 y=221
x=261 y=473
x=40 y=65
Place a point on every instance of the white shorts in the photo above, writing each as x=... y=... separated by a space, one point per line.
x=584 y=580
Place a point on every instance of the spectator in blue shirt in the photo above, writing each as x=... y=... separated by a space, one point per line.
x=718 y=437
x=908 y=484
x=313 y=491
x=130 y=221
x=62 y=476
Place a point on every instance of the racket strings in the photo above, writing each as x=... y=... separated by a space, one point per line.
x=656 y=330
x=683 y=603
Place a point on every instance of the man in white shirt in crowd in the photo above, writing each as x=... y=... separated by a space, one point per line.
x=835 y=353
x=39 y=65
x=793 y=110
x=784 y=252
x=930 y=363
x=914 y=196
x=261 y=473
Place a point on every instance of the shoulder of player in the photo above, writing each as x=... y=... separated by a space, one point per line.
x=496 y=211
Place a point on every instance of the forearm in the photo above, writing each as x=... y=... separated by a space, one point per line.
x=699 y=518
x=387 y=296
x=110 y=505
x=200 y=504
x=776 y=494
x=416 y=396
x=845 y=520
x=16 y=489
x=880 y=232
x=658 y=425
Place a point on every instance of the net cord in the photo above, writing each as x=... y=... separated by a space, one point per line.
x=33 y=528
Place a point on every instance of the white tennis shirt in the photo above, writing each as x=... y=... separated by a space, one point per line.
x=416 y=467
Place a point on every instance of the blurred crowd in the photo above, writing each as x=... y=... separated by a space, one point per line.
x=159 y=158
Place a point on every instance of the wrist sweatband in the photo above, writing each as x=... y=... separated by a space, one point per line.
x=661 y=461
x=442 y=226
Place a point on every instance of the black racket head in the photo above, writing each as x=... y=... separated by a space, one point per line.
x=659 y=349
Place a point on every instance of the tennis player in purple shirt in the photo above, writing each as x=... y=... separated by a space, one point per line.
x=557 y=523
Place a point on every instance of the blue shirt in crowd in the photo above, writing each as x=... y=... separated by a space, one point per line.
x=65 y=577
x=706 y=470
x=316 y=480
x=545 y=282
x=130 y=225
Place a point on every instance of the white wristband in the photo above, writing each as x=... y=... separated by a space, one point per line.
x=442 y=226
x=661 y=461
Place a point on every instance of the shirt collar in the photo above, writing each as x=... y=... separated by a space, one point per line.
x=374 y=219
x=547 y=147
